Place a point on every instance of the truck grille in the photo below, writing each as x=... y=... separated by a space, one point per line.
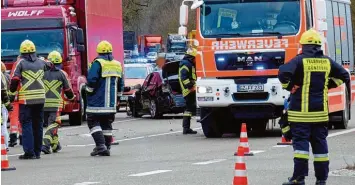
x=250 y=96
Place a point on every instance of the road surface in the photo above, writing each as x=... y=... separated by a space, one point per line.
x=154 y=152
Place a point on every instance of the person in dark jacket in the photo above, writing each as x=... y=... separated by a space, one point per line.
x=187 y=79
x=29 y=72
x=56 y=82
x=103 y=86
x=308 y=77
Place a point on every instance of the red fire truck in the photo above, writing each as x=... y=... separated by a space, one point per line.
x=72 y=27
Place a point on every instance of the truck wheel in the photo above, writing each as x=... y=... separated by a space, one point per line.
x=209 y=123
x=76 y=118
x=343 y=123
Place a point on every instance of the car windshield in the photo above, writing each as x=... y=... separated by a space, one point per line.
x=250 y=18
x=152 y=54
x=45 y=41
x=178 y=45
x=135 y=72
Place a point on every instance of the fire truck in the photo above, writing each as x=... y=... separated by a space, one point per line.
x=71 y=27
x=242 y=43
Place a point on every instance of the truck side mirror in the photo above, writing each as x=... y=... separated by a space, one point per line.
x=184 y=15
x=80 y=36
x=80 y=48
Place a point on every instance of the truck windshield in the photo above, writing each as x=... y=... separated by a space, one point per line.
x=45 y=41
x=178 y=45
x=250 y=18
x=135 y=72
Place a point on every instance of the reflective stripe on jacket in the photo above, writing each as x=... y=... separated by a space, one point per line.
x=29 y=73
x=103 y=83
x=55 y=81
x=187 y=75
x=307 y=76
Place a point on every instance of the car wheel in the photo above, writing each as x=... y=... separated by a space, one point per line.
x=153 y=109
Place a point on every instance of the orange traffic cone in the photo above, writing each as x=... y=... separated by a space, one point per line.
x=240 y=169
x=284 y=142
x=113 y=142
x=243 y=141
x=4 y=161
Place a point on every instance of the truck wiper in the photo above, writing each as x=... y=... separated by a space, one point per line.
x=269 y=32
x=229 y=35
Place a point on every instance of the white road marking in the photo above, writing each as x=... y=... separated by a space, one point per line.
x=341 y=132
x=281 y=146
x=149 y=173
x=14 y=155
x=257 y=151
x=75 y=145
x=86 y=183
x=75 y=127
x=210 y=162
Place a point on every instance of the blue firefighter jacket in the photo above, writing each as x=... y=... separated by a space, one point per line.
x=104 y=83
x=187 y=75
x=309 y=76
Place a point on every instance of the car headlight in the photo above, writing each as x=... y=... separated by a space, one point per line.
x=204 y=89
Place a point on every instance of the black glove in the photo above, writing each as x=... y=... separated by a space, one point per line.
x=12 y=98
x=9 y=107
x=89 y=90
x=285 y=127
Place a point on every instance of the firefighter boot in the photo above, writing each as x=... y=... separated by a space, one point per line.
x=13 y=140
x=186 y=125
x=321 y=182
x=57 y=148
x=295 y=181
x=108 y=141
x=100 y=151
x=46 y=149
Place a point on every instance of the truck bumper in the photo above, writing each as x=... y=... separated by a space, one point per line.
x=266 y=103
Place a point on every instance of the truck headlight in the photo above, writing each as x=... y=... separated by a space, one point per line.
x=204 y=89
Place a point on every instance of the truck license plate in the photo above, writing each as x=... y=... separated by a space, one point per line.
x=124 y=98
x=250 y=88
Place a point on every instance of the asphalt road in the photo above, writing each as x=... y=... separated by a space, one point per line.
x=154 y=152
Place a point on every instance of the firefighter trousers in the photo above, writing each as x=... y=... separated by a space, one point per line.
x=100 y=126
x=316 y=134
x=51 y=138
x=31 y=118
x=190 y=101
x=4 y=117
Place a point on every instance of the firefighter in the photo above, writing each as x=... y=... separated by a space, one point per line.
x=187 y=79
x=5 y=105
x=55 y=81
x=103 y=86
x=28 y=73
x=308 y=77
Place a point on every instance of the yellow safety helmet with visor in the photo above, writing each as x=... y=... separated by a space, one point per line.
x=311 y=37
x=104 y=47
x=55 y=57
x=27 y=46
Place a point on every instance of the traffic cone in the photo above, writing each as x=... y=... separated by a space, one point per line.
x=4 y=161
x=284 y=142
x=243 y=141
x=240 y=169
x=113 y=142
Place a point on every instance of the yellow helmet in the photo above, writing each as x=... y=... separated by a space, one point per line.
x=27 y=46
x=104 y=47
x=192 y=51
x=3 y=67
x=55 y=57
x=311 y=37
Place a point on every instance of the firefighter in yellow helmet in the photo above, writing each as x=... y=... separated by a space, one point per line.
x=29 y=72
x=308 y=77
x=187 y=79
x=104 y=84
x=56 y=83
